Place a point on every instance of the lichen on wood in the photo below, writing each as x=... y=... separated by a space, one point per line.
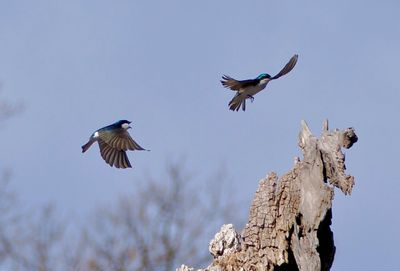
x=290 y=217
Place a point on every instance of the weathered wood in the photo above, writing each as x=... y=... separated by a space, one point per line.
x=290 y=218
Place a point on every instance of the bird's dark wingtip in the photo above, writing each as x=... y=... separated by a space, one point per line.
x=224 y=82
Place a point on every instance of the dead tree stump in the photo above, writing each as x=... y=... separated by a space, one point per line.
x=290 y=218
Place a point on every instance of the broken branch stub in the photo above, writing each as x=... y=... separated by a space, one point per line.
x=290 y=217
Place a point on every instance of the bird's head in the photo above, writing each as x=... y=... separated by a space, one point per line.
x=124 y=124
x=263 y=76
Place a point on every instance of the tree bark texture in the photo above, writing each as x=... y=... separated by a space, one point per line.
x=290 y=217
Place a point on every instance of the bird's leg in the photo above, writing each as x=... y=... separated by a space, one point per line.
x=250 y=97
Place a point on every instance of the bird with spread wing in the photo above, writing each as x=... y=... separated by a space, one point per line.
x=114 y=140
x=246 y=89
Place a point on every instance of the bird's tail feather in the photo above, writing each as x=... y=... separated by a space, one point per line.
x=87 y=145
x=237 y=102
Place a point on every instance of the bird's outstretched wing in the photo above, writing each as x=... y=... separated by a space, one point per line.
x=120 y=140
x=234 y=84
x=112 y=156
x=288 y=67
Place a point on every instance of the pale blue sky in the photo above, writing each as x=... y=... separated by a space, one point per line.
x=80 y=65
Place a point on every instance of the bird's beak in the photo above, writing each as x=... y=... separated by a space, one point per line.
x=129 y=127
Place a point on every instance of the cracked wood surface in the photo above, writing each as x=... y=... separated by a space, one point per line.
x=290 y=217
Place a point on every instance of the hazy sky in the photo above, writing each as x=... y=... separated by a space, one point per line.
x=81 y=65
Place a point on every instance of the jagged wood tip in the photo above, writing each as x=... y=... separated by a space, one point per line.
x=290 y=217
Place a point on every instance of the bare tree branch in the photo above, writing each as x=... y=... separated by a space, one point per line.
x=8 y=110
x=155 y=228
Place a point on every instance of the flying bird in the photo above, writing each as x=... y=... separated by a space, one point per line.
x=114 y=140
x=246 y=89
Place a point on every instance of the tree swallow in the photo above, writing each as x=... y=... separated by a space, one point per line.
x=246 y=89
x=114 y=140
